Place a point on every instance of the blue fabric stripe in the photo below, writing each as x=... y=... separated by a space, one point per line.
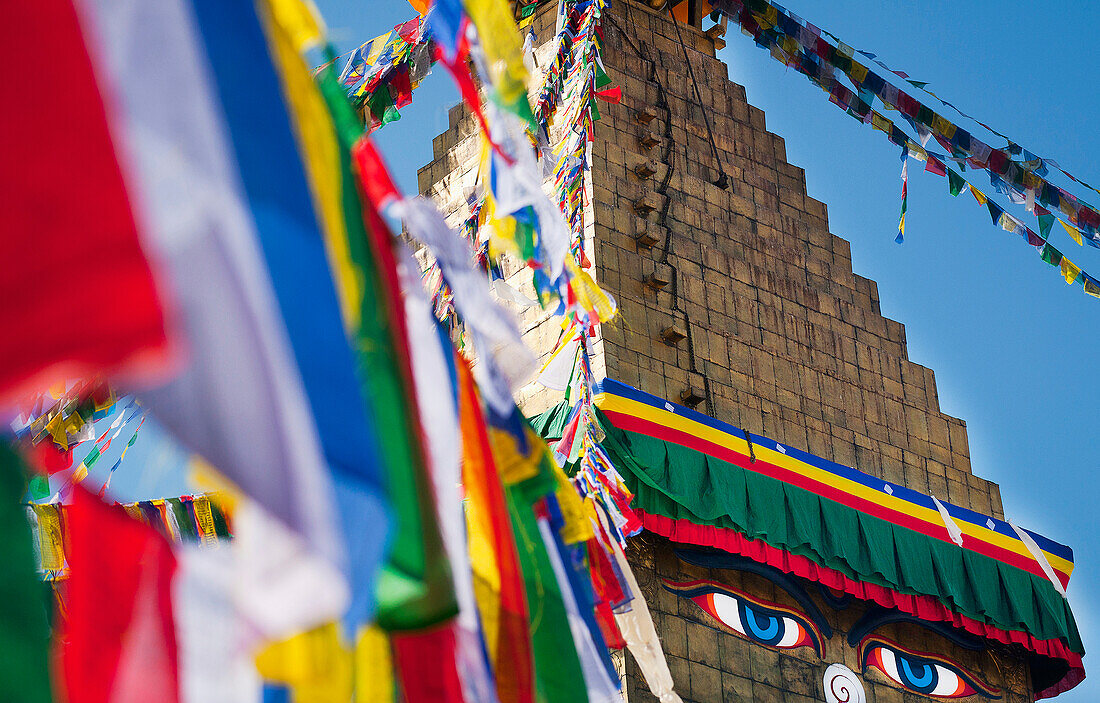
x=274 y=180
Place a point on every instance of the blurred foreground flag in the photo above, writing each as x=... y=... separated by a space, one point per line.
x=119 y=643
x=79 y=294
x=219 y=185
x=24 y=622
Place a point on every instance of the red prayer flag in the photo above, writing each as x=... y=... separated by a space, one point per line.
x=935 y=166
x=425 y=662
x=69 y=228
x=611 y=95
x=120 y=637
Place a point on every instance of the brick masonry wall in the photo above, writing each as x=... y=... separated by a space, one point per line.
x=779 y=336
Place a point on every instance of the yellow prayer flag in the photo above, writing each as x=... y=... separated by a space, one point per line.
x=80 y=474
x=772 y=16
x=589 y=295
x=377 y=46
x=1069 y=271
x=204 y=517
x=56 y=428
x=315 y=665
x=578 y=528
x=373 y=667
x=1072 y=232
x=978 y=195
x=503 y=47
x=50 y=543
x=858 y=72
x=942 y=126
x=513 y=466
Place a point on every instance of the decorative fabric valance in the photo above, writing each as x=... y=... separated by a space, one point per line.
x=696 y=480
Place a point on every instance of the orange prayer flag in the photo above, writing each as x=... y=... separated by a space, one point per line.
x=420 y=6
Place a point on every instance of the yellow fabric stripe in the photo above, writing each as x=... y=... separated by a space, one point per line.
x=373 y=667
x=315 y=665
x=614 y=403
x=291 y=27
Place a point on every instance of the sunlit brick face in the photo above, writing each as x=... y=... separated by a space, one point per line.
x=736 y=631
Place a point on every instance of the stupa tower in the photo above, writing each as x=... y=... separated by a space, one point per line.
x=736 y=300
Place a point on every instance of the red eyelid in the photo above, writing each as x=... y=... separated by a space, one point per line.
x=728 y=590
x=972 y=684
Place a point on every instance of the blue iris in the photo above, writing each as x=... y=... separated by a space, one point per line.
x=767 y=629
x=916 y=674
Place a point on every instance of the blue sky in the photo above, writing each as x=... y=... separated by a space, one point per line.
x=1008 y=340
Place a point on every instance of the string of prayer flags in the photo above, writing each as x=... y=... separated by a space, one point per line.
x=198 y=519
x=1071 y=273
x=381 y=74
x=802 y=46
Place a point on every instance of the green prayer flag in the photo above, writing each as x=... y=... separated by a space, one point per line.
x=1051 y=255
x=24 y=618
x=221 y=525
x=92 y=458
x=1045 y=223
x=602 y=78
x=184 y=521
x=39 y=487
x=955 y=182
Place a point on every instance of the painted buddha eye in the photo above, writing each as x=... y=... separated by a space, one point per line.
x=765 y=623
x=926 y=674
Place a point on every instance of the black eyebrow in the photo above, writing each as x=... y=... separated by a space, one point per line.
x=724 y=560
x=878 y=617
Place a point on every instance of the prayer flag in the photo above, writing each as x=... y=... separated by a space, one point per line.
x=1045 y=223
x=1071 y=230
x=955 y=182
x=120 y=636
x=62 y=175
x=24 y=598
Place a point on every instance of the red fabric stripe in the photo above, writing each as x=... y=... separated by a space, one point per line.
x=936 y=530
x=80 y=297
x=923 y=607
x=120 y=638
x=426 y=665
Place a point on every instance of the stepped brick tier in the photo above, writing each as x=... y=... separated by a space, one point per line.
x=783 y=450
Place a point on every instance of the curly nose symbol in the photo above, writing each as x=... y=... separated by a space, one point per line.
x=842 y=685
